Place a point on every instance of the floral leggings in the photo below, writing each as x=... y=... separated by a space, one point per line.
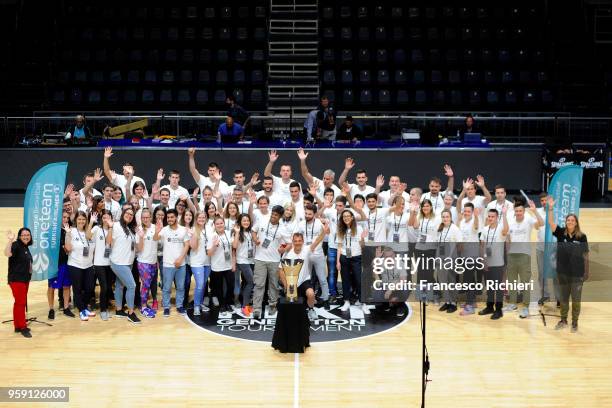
x=148 y=274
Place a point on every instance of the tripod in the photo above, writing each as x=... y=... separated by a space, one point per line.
x=424 y=353
x=30 y=320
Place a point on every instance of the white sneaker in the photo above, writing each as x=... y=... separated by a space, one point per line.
x=196 y=310
x=104 y=316
x=204 y=308
x=215 y=301
x=206 y=301
x=524 y=313
x=365 y=309
x=510 y=307
x=357 y=303
x=83 y=316
x=312 y=315
x=90 y=313
x=345 y=306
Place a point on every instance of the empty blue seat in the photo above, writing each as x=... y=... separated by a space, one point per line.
x=347 y=97
x=256 y=96
x=365 y=97
x=364 y=76
x=221 y=77
x=257 y=77
x=420 y=97
x=400 y=77
x=220 y=97
x=510 y=97
x=492 y=97
x=329 y=77
x=384 y=97
x=347 y=77
x=202 y=97
x=474 y=98
x=382 y=77
x=148 y=96
x=165 y=96
x=203 y=77
x=239 y=77
x=439 y=97
x=93 y=97
x=402 y=97
x=364 y=56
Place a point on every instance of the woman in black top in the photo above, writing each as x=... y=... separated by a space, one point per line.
x=19 y=275
x=572 y=264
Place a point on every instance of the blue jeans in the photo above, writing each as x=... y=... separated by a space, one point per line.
x=247 y=275
x=332 y=278
x=176 y=275
x=201 y=274
x=124 y=279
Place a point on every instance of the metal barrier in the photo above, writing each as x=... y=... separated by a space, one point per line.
x=496 y=127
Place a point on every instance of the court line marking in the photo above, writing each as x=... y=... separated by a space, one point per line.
x=410 y=312
x=296 y=381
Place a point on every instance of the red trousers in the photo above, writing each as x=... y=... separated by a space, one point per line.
x=20 y=293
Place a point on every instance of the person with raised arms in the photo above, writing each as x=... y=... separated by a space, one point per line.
x=361 y=180
x=350 y=242
x=219 y=249
x=425 y=223
x=435 y=184
x=469 y=226
x=146 y=262
x=449 y=238
x=501 y=201
x=120 y=180
x=281 y=185
x=102 y=268
x=213 y=179
x=327 y=181
x=244 y=245
x=468 y=195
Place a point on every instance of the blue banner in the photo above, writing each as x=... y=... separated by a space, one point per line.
x=42 y=213
x=565 y=188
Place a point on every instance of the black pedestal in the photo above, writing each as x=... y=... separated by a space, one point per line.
x=292 y=330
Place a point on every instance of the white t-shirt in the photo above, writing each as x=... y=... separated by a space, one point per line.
x=478 y=202
x=304 y=258
x=244 y=247
x=174 y=243
x=282 y=189
x=275 y=235
x=397 y=226
x=124 y=246
x=383 y=198
x=356 y=190
x=447 y=239
x=273 y=199
x=79 y=241
x=321 y=189
x=311 y=232
x=437 y=202
x=257 y=215
x=229 y=224
x=199 y=256
x=299 y=210
x=469 y=237
x=520 y=234
x=207 y=182
x=493 y=239
x=427 y=233
x=114 y=208
x=376 y=224
x=332 y=217
x=351 y=241
x=221 y=259
x=148 y=254
x=494 y=205
x=175 y=194
x=120 y=181
x=99 y=238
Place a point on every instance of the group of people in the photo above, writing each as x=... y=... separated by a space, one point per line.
x=229 y=242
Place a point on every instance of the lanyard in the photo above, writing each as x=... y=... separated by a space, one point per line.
x=440 y=239
x=350 y=239
x=268 y=230
x=203 y=231
x=311 y=230
x=371 y=229
x=435 y=204
x=426 y=226
x=397 y=225
x=82 y=238
x=226 y=240
x=493 y=238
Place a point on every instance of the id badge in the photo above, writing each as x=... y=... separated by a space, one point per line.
x=370 y=236
x=85 y=251
x=396 y=237
x=228 y=256
x=488 y=251
x=422 y=238
x=266 y=243
x=442 y=250
x=250 y=253
x=348 y=252
x=132 y=246
x=308 y=242
x=107 y=252
x=160 y=246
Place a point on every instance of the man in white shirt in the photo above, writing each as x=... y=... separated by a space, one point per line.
x=361 y=179
x=468 y=195
x=214 y=176
x=176 y=191
x=326 y=182
x=267 y=189
x=386 y=197
x=281 y=184
x=492 y=239
x=239 y=179
x=120 y=180
x=297 y=199
x=434 y=194
x=110 y=204
x=501 y=201
x=270 y=239
x=519 y=254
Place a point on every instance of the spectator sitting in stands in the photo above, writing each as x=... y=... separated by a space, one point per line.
x=310 y=126
x=326 y=120
x=240 y=115
x=348 y=131
x=230 y=131
x=469 y=126
x=78 y=133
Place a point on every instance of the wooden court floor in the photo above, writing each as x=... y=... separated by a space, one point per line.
x=476 y=362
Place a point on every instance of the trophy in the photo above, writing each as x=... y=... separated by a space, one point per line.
x=292 y=268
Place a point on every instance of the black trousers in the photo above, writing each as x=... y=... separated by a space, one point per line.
x=217 y=279
x=494 y=274
x=102 y=274
x=82 y=284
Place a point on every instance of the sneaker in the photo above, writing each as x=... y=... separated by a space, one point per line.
x=543 y=300
x=166 y=312
x=561 y=325
x=524 y=313
x=574 y=327
x=312 y=315
x=357 y=303
x=345 y=306
x=155 y=305
x=26 y=333
x=558 y=305
x=90 y=313
x=83 y=316
x=257 y=314
x=133 y=318
x=510 y=307
x=246 y=311
x=196 y=310
x=147 y=312
x=365 y=309
x=486 y=311
x=181 y=310
x=120 y=313
x=204 y=308
x=467 y=310
x=237 y=304
x=444 y=307
x=51 y=315
x=272 y=311
x=498 y=314
x=400 y=311
x=104 y=315
x=68 y=312
x=451 y=308
x=206 y=301
x=332 y=299
x=215 y=301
